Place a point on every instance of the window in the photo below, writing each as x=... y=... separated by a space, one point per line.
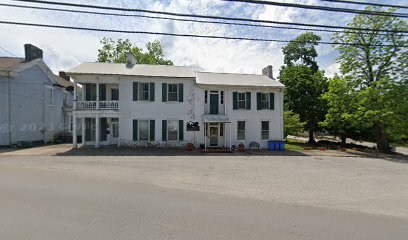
x=50 y=96
x=65 y=100
x=265 y=130
x=241 y=101
x=115 y=127
x=264 y=100
x=241 y=130
x=172 y=130
x=143 y=91
x=143 y=130
x=172 y=94
x=115 y=94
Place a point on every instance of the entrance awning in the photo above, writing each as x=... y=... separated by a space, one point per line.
x=215 y=119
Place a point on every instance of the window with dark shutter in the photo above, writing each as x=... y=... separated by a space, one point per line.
x=205 y=96
x=135 y=91
x=181 y=130
x=135 y=130
x=271 y=101
x=248 y=101
x=222 y=97
x=164 y=130
x=181 y=92
x=152 y=130
x=234 y=100
x=151 y=92
x=164 y=92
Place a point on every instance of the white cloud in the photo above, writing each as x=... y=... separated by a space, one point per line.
x=332 y=69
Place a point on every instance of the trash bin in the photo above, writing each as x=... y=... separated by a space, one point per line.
x=282 y=146
x=277 y=145
x=271 y=145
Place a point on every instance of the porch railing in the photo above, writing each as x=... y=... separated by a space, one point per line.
x=94 y=105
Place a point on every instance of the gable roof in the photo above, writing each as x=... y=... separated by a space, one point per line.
x=8 y=64
x=136 y=70
x=236 y=79
x=12 y=64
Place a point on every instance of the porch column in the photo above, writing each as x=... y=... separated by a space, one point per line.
x=97 y=130
x=75 y=95
x=230 y=135
x=223 y=134
x=83 y=132
x=205 y=136
x=97 y=96
x=74 y=130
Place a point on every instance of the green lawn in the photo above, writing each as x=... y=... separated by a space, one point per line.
x=295 y=144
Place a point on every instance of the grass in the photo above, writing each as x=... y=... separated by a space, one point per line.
x=295 y=144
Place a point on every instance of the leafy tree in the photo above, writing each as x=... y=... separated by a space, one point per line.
x=292 y=124
x=304 y=82
x=115 y=52
x=376 y=63
x=340 y=119
x=302 y=51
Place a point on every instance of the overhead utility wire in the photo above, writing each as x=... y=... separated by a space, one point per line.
x=367 y=3
x=207 y=16
x=177 y=34
x=322 y=8
x=177 y=19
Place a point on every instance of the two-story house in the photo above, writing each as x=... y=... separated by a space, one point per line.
x=154 y=105
x=34 y=102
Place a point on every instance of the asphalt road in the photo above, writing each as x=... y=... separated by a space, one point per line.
x=45 y=205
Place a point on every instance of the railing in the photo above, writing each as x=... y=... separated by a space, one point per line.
x=94 y=104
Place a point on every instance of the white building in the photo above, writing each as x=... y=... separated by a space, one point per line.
x=34 y=101
x=152 y=105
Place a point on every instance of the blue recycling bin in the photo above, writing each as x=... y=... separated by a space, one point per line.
x=282 y=146
x=271 y=145
x=277 y=143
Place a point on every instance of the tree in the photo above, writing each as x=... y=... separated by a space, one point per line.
x=115 y=52
x=304 y=82
x=376 y=63
x=292 y=124
x=340 y=119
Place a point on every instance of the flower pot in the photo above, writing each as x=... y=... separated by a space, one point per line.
x=322 y=148
x=189 y=147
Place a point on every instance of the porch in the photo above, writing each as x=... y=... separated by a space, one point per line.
x=215 y=133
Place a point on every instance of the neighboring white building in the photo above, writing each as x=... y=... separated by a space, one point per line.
x=33 y=100
x=154 y=105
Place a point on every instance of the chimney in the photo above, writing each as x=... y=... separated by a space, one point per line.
x=130 y=60
x=32 y=52
x=64 y=75
x=267 y=71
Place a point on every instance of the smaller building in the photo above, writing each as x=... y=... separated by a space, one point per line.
x=34 y=102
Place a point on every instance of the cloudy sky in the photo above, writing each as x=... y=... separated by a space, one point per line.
x=64 y=49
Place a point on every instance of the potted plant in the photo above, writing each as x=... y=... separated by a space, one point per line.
x=189 y=147
x=241 y=147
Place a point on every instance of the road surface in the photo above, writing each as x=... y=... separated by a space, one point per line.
x=37 y=204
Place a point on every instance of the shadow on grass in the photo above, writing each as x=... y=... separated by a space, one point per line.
x=110 y=151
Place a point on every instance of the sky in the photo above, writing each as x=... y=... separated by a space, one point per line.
x=64 y=49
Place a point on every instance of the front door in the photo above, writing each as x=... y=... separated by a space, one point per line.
x=114 y=131
x=214 y=136
x=214 y=103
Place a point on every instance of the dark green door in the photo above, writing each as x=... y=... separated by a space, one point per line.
x=213 y=103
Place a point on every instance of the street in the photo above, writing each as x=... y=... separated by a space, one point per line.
x=202 y=197
x=37 y=205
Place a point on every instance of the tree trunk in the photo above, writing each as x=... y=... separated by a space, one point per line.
x=383 y=144
x=343 y=140
x=311 y=137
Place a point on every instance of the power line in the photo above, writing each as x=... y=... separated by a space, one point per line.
x=7 y=51
x=367 y=3
x=322 y=8
x=178 y=34
x=209 y=16
x=176 y=19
